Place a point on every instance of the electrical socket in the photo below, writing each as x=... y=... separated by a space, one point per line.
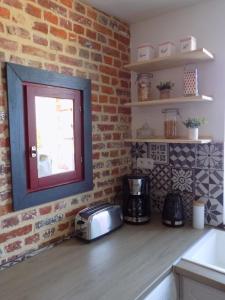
x=145 y=163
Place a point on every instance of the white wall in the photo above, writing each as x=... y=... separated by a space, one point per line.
x=205 y=21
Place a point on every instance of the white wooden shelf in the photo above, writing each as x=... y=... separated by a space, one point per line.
x=169 y=141
x=177 y=60
x=155 y=102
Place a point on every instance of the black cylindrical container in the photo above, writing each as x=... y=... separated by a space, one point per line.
x=136 y=200
x=173 y=211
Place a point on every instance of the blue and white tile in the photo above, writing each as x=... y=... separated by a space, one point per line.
x=157 y=200
x=182 y=155
x=214 y=212
x=139 y=150
x=188 y=199
x=216 y=185
x=159 y=153
x=210 y=156
x=201 y=182
x=183 y=180
x=160 y=178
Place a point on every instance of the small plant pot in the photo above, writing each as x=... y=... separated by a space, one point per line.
x=193 y=134
x=165 y=94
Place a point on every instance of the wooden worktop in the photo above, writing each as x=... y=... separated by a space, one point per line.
x=120 y=266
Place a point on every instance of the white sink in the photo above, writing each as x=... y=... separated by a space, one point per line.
x=209 y=251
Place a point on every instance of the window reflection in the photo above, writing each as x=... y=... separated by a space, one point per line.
x=55 y=135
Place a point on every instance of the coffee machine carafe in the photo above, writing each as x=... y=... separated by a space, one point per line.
x=136 y=200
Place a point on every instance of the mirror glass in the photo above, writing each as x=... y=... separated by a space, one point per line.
x=55 y=135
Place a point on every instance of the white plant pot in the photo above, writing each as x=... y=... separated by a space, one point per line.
x=193 y=134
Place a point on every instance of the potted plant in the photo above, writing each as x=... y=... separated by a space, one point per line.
x=164 y=89
x=193 y=125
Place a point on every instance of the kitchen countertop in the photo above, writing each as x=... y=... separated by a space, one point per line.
x=122 y=265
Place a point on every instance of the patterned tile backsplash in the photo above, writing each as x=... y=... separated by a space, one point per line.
x=196 y=171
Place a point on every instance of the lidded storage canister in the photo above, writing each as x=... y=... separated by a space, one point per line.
x=170 y=122
x=144 y=86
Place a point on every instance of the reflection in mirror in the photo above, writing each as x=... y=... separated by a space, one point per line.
x=55 y=135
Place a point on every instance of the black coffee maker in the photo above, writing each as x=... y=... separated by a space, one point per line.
x=136 y=200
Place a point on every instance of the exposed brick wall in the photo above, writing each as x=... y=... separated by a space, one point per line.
x=68 y=37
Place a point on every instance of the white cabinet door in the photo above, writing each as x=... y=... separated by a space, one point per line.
x=166 y=290
x=193 y=290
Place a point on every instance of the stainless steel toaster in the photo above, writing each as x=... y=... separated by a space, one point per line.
x=95 y=221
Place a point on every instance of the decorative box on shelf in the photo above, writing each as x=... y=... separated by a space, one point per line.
x=166 y=49
x=188 y=43
x=145 y=52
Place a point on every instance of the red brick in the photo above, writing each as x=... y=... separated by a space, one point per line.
x=105 y=127
x=58 y=32
x=37 y=52
x=96 y=155
x=103 y=99
x=124 y=110
x=115 y=81
x=29 y=215
x=98 y=194
x=96 y=108
x=122 y=38
x=94 y=98
x=89 y=44
x=79 y=8
x=115 y=171
x=33 y=10
x=10 y=222
x=108 y=60
x=33 y=239
x=91 y=34
x=52 y=67
x=78 y=28
x=108 y=70
x=96 y=137
x=73 y=212
x=8 y=45
x=14 y=3
x=70 y=61
x=72 y=37
x=109 y=109
x=18 y=31
x=50 y=17
x=102 y=29
x=107 y=90
x=112 y=43
x=63 y=226
x=42 y=27
x=71 y=50
x=54 y=45
x=124 y=75
x=45 y=210
x=105 y=79
x=67 y=3
x=91 y=13
x=65 y=24
x=117 y=63
x=13 y=246
x=15 y=233
x=4 y=13
x=40 y=40
x=111 y=51
x=67 y=71
x=5 y=209
x=80 y=19
x=51 y=5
